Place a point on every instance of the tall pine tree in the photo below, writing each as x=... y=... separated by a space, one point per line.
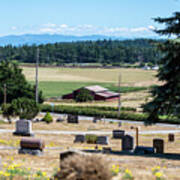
x=166 y=99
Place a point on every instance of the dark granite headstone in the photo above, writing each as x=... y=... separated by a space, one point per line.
x=118 y=134
x=127 y=143
x=171 y=137
x=102 y=140
x=80 y=138
x=72 y=119
x=158 y=145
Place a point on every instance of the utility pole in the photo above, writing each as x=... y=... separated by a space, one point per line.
x=5 y=94
x=37 y=66
x=119 y=99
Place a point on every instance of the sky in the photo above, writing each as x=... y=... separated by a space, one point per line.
x=122 y=18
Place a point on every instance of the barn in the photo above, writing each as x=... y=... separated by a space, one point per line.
x=99 y=93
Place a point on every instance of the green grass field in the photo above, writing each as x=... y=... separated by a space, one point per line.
x=55 y=89
x=59 y=81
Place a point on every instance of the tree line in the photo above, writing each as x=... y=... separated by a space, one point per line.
x=104 y=52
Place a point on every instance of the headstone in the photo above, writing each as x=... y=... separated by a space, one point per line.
x=97 y=118
x=102 y=140
x=31 y=146
x=144 y=150
x=72 y=119
x=118 y=134
x=158 y=145
x=171 y=137
x=106 y=150
x=80 y=138
x=59 y=119
x=23 y=128
x=127 y=143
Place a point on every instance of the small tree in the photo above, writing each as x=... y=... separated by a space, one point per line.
x=23 y=107
x=48 y=118
x=84 y=96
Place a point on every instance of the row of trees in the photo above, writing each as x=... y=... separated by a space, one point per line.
x=107 y=51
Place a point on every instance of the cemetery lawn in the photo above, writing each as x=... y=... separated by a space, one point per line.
x=140 y=166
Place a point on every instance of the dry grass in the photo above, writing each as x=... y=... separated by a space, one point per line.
x=130 y=77
x=140 y=166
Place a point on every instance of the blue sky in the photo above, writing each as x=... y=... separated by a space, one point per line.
x=84 y=17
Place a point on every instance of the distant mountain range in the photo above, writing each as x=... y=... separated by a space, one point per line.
x=37 y=39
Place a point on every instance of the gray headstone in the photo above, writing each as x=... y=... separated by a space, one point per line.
x=23 y=128
x=118 y=134
x=72 y=119
x=127 y=143
x=79 y=138
x=102 y=140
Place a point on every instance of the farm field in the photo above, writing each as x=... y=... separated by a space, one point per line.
x=140 y=166
x=58 y=81
x=130 y=77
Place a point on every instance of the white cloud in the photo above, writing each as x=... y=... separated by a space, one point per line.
x=139 y=29
x=86 y=29
x=13 y=27
x=151 y=27
x=64 y=26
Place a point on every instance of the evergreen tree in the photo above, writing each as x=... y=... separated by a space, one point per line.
x=167 y=96
x=16 y=85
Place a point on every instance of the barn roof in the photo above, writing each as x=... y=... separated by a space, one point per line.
x=107 y=94
x=96 y=88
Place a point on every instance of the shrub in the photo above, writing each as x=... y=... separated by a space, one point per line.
x=91 y=139
x=48 y=118
x=84 y=96
x=84 y=167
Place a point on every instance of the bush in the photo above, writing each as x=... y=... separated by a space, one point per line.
x=23 y=107
x=48 y=118
x=91 y=139
x=84 y=167
x=84 y=96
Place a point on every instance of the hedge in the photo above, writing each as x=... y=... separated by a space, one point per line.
x=93 y=111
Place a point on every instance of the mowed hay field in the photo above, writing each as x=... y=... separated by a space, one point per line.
x=55 y=82
x=130 y=77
